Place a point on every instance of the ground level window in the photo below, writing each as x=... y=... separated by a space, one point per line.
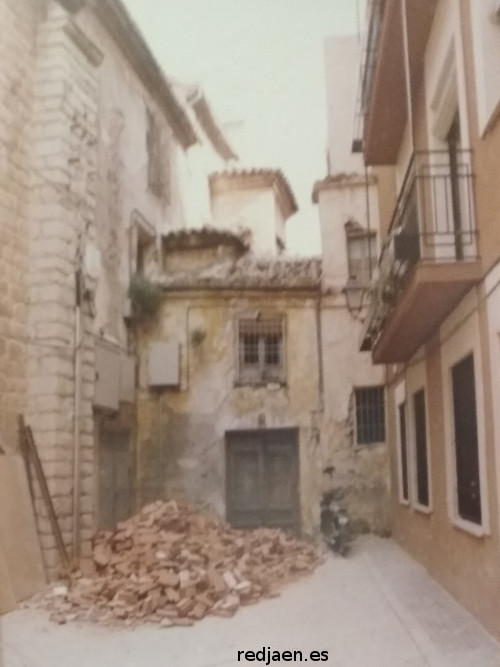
x=370 y=415
x=421 y=448
x=403 y=449
x=261 y=350
x=466 y=442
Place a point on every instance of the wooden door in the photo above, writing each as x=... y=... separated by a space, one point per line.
x=262 y=478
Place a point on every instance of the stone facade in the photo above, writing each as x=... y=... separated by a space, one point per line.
x=94 y=146
x=62 y=216
x=19 y=23
x=181 y=431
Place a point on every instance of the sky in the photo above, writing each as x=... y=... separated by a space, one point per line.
x=260 y=62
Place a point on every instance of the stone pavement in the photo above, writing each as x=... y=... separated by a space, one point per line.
x=377 y=608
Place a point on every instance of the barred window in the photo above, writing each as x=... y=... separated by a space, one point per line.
x=260 y=350
x=370 y=415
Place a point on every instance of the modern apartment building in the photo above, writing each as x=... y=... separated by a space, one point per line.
x=430 y=102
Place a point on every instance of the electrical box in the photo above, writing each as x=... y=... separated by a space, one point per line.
x=164 y=365
x=107 y=381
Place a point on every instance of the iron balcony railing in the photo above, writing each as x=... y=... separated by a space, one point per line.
x=433 y=220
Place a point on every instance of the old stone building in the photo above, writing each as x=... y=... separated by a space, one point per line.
x=100 y=154
x=249 y=371
x=245 y=377
x=229 y=397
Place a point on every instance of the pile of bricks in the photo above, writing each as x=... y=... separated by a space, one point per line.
x=173 y=566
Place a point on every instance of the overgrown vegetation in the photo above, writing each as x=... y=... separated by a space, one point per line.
x=145 y=297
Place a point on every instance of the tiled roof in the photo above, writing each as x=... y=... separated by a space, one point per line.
x=203 y=112
x=206 y=237
x=249 y=272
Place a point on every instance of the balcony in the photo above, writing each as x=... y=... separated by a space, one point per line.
x=382 y=104
x=429 y=259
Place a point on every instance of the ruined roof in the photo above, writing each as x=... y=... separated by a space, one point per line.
x=118 y=22
x=249 y=272
x=206 y=237
x=203 y=112
x=340 y=180
x=257 y=178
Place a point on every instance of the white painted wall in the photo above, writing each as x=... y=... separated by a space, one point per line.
x=342 y=60
x=254 y=208
x=486 y=45
x=445 y=41
x=337 y=205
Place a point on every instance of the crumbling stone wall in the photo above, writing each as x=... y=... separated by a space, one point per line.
x=62 y=203
x=181 y=445
x=18 y=21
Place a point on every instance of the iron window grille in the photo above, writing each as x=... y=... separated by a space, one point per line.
x=370 y=415
x=261 y=350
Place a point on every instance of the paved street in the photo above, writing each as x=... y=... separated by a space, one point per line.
x=376 y=609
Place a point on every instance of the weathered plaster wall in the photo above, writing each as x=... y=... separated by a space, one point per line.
x=181 y=432
x=122 y=183
x=254 y=209
x=339 y=202
x=18 y=20
x=361 y=470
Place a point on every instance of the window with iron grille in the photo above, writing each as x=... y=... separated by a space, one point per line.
x=370 y=415
x=261 y=350
x=158 y=158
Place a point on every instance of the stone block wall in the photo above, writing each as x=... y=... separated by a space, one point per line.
x=62 y=213
x=18 y=19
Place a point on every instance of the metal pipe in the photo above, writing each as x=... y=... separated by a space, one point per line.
x=76 y=418
x=406 y=50
x=319 y=343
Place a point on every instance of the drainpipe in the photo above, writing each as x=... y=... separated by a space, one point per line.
x=319 y=343
x=76 y=417
x=406 y=50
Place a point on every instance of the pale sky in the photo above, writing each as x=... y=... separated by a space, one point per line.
x=261 y=62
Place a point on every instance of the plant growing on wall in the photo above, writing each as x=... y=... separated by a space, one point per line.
x=145 y=296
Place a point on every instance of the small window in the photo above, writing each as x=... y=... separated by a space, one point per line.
x=158 y=158
x=260 y=350
x=403 y=449
x=468 y=484
x=422 y=470
x=370 y=415
x=361 y=257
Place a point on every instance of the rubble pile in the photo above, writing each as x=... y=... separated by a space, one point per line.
x=172 y=565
